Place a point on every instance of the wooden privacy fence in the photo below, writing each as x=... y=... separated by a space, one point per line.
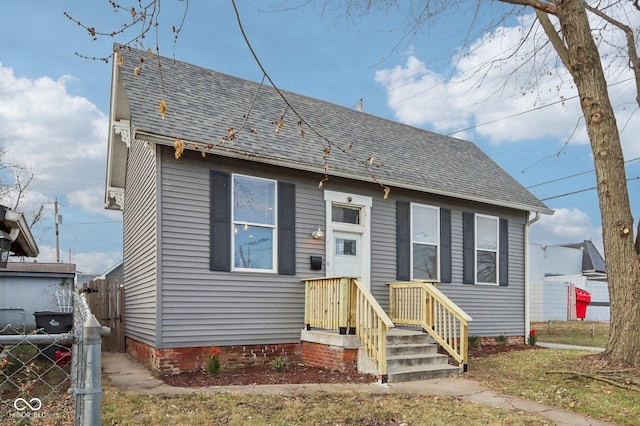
x=106 y=301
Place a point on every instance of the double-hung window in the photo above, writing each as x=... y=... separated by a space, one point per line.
x=254 y=224
x=487 y=249
x=425 y=242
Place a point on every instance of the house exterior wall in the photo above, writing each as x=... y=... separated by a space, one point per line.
x=551 y=270
x=139 y=246
x=550 y=298
x=545 y=260
x=26 y=288
x=200 y=307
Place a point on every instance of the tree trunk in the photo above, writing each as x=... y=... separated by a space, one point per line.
x=623 y=268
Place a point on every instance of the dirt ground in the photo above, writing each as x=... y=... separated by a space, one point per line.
x=298 y=373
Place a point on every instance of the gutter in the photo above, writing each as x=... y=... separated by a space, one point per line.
x=20 y=233
x=527 y=284
x=168 y=141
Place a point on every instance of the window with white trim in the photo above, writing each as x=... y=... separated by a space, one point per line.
x=425 y=242
x=486 y=254
x=254 y=224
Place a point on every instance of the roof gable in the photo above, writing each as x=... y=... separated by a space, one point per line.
x=203 y=104
x=592 y=260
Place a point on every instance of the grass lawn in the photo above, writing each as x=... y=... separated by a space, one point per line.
x=549 y=376
x=553 y=377
x=584 y=333
x=348 y=408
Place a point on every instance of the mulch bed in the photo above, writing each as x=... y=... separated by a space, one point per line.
x=299 y=373
x=264 y=375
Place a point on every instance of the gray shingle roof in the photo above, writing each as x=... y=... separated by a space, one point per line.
x=202 y=104
x=592 y=260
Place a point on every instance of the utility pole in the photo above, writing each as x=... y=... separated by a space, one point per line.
x=55 y=215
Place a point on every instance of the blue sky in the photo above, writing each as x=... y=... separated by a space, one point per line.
x=54 y=105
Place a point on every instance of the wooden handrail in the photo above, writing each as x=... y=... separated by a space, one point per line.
x=421 y=304
x=346 y=305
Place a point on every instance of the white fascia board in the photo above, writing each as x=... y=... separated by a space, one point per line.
x=21 y=233
x=164 y=140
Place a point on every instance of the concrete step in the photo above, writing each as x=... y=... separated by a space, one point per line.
x=413 y=355
x=415 y=360
x=422 y=373
x=408 y=338
x=412 y=349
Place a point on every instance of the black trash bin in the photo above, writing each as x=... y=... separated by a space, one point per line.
x=51 y=322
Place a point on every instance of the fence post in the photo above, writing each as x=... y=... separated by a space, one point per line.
x=91 y=387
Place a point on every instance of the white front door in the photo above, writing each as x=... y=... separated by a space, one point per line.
x=347 y=254
x=347 y=236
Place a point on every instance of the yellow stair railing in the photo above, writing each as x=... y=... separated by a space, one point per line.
x=421 y=304
x=346 y=305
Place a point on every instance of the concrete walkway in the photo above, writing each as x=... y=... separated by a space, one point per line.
x=128 y=375
x=575 y=347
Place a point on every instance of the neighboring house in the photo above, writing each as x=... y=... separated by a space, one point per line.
x=555 y=269
x=113 y=274
x=30 y=287
x=14 y=227
x=83 y=278
x=216 y=244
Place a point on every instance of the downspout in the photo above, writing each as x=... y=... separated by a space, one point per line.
x=527 y=284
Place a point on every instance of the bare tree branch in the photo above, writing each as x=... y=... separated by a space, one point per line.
x=632 y=51
x=554 y=38
x=542 y=6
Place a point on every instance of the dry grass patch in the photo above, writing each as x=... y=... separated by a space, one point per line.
x=583 y=333
x=526 y=374
x=349 y=408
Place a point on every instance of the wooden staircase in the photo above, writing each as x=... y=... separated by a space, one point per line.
x=413 y=355
x=396 y=353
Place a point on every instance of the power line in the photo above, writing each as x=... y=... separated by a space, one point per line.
x=580 y=190
x=94 y=223
x=574 y=175
x=513 y=115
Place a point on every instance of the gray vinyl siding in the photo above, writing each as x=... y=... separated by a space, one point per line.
x=139 y=225
x=496 y=310
x=202 y=307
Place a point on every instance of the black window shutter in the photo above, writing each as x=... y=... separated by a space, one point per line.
x=403 y=241
x=445 y=245
x=286 y=228
x=220 y=222
x=468 y=248
x=504 y=252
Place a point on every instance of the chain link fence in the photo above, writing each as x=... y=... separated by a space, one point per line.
x=49 y=378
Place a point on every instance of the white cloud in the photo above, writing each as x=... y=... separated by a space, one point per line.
x=92 y=200
x=496 y=77
x=566 y=226
x=62 y=137
x=90 y=262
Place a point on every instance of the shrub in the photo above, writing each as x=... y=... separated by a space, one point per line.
x=279 y=364
x=474 y=341
x=213 y=363
x=501 y=339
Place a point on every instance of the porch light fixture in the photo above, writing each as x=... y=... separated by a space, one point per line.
x=318 y=233
x=5 y=248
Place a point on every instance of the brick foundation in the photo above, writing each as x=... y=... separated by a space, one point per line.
x=509 y=340
x=329 y=357
x=178 y=360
